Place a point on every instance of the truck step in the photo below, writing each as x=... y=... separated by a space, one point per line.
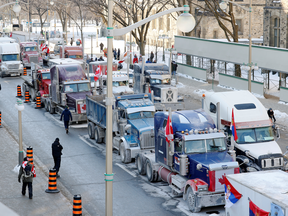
x=176 y=189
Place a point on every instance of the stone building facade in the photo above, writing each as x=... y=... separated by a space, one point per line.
x=275 y=27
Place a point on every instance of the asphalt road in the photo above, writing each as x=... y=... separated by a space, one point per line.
x=83 y=163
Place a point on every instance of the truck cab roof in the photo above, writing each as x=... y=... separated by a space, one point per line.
x=63 y=61
x=30 y=43
x=157 y=67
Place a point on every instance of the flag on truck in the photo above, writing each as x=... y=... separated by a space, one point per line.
x=169 y=130
x=97 y=73
x=231 y=194
x=254 y=210
x=233 y=127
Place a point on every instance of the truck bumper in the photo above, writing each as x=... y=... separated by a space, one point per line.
x=29 y=64
x=166 y=106
x=12 y=72
x=78 y=117
x=210 y=199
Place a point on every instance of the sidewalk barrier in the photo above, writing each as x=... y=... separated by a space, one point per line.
x=38 y=101
x=77 y=205
x=19 y=94
x=29 y=154
x=0 y=120
x=27 y=96
x=52 y=184
x=24 y=71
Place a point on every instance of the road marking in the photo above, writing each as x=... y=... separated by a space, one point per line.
x=88 y=143
x=6 y=82
x=125 y=169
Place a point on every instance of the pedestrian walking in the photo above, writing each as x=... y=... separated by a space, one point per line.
x=151 y=56
x=101 y=46
x=27 y=173
x=115 y=53
x=174 y=67
x=56 y=153
x=118 y=54
x=135 y=59
x=67 y=116
x=71 y=42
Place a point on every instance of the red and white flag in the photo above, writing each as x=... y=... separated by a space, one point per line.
x=97 y=73
x=169 y=130
x=24 y=164
x=43 y=47
x=81 y=108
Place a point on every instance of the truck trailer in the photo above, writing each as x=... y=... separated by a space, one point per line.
x=194 y=163
x=256 y=140
x=132 y=127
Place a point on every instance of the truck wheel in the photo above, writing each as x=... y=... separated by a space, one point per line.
x=91 y=130
x=124 y=154
x=140 y=165
x=46 y=105
x=191 y=201
x=2 y=75
x=33 y=94
x=152 y=175
x=97 y=135
x=50 y=108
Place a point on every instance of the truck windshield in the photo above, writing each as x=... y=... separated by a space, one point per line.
x=76 y=56
x=119 y=83
x=77 y=87
x=143 y=114
x=159 y=81
x=46 y=76
x=11 y=57
x=203 y=146
x=28 y=49
x=254 y=135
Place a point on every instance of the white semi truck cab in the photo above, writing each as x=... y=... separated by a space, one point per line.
x=254 y=128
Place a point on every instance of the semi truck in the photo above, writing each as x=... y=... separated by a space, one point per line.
x=10 y=64
x=21 y=36
x=156 y=78
x=194 y=163
x=120 y=84
x=29 y=53
x=267 y=190
x=69 y=86
x=132 y=127
x=256 y=140
x=73 y=52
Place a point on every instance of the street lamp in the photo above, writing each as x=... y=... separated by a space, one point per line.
x=109 y=97
x=17 y=8
x=223 y=6
x=163 y=37
x=20 y=107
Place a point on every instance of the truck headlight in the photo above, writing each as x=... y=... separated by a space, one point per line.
x=251 y=169
x=202 y=188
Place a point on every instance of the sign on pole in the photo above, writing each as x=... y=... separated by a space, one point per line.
x=39 y=24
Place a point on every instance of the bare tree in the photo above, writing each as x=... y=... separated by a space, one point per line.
x=137 y=9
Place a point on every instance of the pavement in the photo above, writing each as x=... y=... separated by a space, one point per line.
x=12 y=202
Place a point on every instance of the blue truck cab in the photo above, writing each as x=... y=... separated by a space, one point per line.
x=133 y=123
x=195 y=163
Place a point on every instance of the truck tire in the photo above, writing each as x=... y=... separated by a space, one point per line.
x=152 y=175
x=97 y=135
x=191 y=201
x=91 y=130
x=46 y=105
x=124 y=154
x=140 y=165
x=2 y=75
x=50 y=108
x=32 y=94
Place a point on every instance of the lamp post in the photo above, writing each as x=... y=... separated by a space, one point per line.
x=163 y=37
x=223 y=6
x=91 y=44
x=187 y=23
x=20 y=107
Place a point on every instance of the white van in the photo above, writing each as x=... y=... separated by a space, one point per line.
x=10 y=63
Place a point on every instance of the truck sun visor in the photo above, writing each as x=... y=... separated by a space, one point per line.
x=139 y=109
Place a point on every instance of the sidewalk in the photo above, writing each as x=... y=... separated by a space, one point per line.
x=44 y=204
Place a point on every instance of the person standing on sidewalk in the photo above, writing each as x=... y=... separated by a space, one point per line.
x=27 y=172
x=56 y=153
x=151 y=56
x=67 y=116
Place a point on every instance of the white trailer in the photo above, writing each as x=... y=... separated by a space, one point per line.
x=21 y=36
x=262 y=188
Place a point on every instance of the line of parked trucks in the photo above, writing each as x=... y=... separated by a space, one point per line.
x=202 y=151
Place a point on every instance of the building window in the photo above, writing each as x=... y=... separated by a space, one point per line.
x=240 y=28
x=215 y=36
x=276 y=32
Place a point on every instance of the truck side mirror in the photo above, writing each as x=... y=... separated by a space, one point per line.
x=199 y=166
x=247 y=152
x=128 y=128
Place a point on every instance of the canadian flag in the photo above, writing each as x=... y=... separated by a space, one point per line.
x=81 y=108
x=97 y=73
x=43 y=47
x=169 y=130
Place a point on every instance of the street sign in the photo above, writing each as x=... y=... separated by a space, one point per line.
x=39 y=24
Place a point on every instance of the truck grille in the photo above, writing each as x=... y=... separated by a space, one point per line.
x=170 y=95
x=33 y=59
x=14 y=66
x=146 y=140
x=271 y=162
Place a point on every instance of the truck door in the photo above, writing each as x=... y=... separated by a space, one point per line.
x=161 y=143
x=178 y=151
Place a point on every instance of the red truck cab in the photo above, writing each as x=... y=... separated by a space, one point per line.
x=43 y=80
x=29 y=53
x=74 y=52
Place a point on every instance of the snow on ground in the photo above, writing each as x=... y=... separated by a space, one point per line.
x=280 y=115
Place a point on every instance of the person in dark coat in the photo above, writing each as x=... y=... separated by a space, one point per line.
x=115 y=53
x=270 y=113
x=100 y=58
x=151 y=56
x=26 y=181
x=101 y=46
x=174 y=67
x=56 y=153
x=67 y=116
x=118 y=54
